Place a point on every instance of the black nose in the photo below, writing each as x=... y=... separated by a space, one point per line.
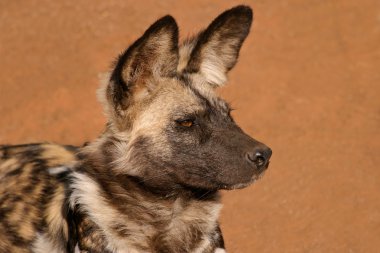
x=259 y=157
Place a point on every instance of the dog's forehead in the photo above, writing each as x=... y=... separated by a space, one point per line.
x=175 y=92
x=207 y=94
x=191 y=94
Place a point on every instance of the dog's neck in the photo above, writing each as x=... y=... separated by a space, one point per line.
x=127 y=213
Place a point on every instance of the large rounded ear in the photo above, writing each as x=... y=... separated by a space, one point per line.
x=217 y=48
x=154 y=55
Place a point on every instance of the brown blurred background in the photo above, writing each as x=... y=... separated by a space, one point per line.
x=307 y=84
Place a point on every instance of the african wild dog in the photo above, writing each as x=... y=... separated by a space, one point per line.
x=151 y=181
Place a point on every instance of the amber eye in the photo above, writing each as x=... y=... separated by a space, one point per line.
x=186 y=123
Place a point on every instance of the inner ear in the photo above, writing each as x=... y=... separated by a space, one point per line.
x=217 y=48
x=155 y=54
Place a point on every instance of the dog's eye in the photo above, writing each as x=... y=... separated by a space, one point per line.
x=186 y=122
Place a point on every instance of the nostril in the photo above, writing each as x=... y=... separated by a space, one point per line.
x=258 y=158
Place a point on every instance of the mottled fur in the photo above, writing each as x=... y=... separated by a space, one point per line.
x=151 y=181
x=33 y=196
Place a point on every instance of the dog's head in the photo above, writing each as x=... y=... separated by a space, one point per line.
x=167 y=123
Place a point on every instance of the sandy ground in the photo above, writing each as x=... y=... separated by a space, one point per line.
x=307 y=84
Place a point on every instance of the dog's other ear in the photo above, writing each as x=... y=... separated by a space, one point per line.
x=217 y=47
x=153 y=55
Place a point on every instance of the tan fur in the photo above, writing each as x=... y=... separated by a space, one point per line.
x=54 y=213
x=55 y=154
x=184 y=53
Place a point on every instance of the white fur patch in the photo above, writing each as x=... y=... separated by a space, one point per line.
x=57 y=170
x=86 y=192
x=76 y=250
x=213 y=70
x=42 y=245
x=220 y=250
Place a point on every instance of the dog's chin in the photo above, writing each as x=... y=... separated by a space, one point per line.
x=220 y=185
x=242 y=185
